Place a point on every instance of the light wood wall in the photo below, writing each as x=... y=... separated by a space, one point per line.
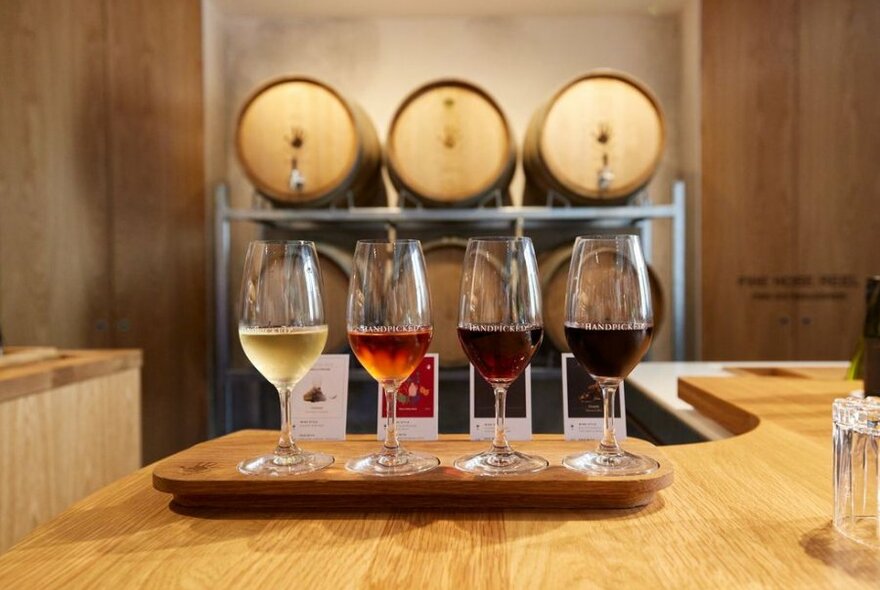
x=102 y=225
x=54 y=205
x=157 y=186
x=791 y=134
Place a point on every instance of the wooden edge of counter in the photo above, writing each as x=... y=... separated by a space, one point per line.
x=70 y=367
x=818 y=373
x=727 y=414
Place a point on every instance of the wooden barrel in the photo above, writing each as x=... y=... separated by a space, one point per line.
x=450 y=145
x=597 y=141
x=335 y=270
x=444 y=259
x=302 y=144
x=553 y=269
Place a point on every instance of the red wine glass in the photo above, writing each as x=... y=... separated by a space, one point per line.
x=608 y=326
x=500 y=327
x=390 y=330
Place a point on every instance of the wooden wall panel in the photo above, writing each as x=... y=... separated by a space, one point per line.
x=157 y=190
x=839 y=182
x=54 y=214
x=749 y=190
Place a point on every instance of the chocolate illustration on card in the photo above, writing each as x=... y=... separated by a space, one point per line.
x=320 y=399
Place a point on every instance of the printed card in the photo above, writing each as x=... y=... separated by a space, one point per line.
x=320 y=400
x=417 y=404
x=518 y=417
x=582 y=404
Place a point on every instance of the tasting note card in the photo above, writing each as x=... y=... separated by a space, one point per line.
x=320 y=400
x=582 y=404
x=518 y=417
x=416 y=404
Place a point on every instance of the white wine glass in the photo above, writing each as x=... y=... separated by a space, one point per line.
x=283 y=332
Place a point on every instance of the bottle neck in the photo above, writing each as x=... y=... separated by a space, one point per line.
x=872 y=309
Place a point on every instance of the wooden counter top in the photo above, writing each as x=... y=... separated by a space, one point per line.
x=70 y=366
x=750 y=511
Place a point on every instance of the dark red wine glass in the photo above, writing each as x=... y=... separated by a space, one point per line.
x=500 y=327
x=608 y=326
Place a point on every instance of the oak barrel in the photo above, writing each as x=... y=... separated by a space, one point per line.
x=444 y=259
x=596 y=141
x=336 y=267
x=450 y=145
x=302 y=144
x=553 y=269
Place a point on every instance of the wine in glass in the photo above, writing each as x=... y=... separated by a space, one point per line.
x=500 y=327
x=283 y=332
x=608 y=326
x=390 y=330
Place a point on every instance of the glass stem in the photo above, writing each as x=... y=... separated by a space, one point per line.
x=286 y=452
x=608 y=444
x=499 y=443
x=391 y=453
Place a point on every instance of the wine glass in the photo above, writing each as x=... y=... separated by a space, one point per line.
x=608 y=326
x=390 y=330
x=283 y=332
x=500 y=328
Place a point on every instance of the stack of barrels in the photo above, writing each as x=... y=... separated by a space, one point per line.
x=597 y=141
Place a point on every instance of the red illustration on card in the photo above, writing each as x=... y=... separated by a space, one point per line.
x=415 y=398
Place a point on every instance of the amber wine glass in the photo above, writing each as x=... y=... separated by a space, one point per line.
x=390 y=330
x=500 y=327
x=283 y=332
x=608 y=326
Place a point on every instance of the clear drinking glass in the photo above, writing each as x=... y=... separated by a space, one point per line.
x=390 y=330
x=608 y=326
x=500 y=327
x=857 y=469
x=283 y=332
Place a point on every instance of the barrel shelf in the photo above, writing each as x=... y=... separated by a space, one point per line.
x=413 y=217
x=398 y=215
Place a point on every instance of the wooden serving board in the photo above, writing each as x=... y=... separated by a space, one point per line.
x=206 y=476
x=14 y=356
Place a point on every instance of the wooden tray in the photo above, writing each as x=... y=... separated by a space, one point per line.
x=14 y=356
x=206 y=476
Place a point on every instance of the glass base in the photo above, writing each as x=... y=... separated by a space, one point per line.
x=494 y=463
x=861 y=529
x=385 y=465
x=277 y=466
x=605 y=464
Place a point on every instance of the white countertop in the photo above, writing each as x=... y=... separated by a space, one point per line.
x=659 y=381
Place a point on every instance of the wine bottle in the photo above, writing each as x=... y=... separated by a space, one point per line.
x=871 y=337
x=856 y=369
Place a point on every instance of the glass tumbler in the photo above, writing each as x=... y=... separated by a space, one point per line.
x=856 y=476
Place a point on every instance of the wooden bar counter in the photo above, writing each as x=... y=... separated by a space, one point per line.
x=750 y=511
x=70 y=423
